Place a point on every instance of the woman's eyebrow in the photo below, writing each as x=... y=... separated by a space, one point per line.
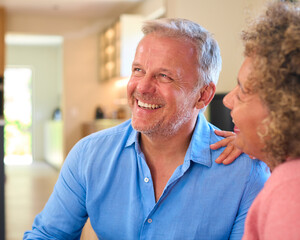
x=240 y=85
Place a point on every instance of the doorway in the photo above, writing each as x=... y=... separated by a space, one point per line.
x=43 y=56
x=18 y=116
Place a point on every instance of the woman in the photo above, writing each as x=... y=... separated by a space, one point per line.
x=265 y=107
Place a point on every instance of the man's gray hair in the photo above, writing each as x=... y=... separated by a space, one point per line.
x=209 y=57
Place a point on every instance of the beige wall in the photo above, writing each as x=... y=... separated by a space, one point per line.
x=225 y=19
x=42 y=24
x=150 y=8
x=81 y=86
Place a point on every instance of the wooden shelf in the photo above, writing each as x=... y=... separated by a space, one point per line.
x=117 y=46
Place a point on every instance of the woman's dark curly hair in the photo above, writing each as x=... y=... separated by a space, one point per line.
x=273 y=42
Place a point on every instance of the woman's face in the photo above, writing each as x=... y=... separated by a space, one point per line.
x=248 y=113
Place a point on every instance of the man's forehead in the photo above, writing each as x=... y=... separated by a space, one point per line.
x=163 y=44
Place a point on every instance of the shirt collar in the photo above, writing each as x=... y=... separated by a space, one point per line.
x=133 y=136
x=199 y=146
x=198 y=151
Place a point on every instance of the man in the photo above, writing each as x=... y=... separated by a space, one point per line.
x=154 y=176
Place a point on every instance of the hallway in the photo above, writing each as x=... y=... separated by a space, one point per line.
x=27 y=188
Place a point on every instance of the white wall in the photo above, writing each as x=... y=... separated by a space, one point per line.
x=46 y=63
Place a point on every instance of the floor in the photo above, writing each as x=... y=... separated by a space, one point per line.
x=27 y=188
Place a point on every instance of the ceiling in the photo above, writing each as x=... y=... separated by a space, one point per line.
x=81 y=9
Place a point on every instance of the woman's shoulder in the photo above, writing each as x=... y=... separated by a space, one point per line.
x=287 y=171
x=284 y=180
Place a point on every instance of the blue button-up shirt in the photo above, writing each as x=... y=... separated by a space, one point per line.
x=106 y=177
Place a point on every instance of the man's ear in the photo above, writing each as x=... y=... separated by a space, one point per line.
x=206 y=95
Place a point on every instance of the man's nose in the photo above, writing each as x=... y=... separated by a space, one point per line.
x=146 y=84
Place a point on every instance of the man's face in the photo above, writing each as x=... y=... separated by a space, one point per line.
x=162 y=90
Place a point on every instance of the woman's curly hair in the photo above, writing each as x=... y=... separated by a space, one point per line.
x=273 y=42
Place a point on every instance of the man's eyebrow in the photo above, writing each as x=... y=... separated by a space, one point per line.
x=165 y=70
x=172 y=74
x=136 y=64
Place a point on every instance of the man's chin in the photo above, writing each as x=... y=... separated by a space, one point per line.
x=138 y=126
x=145 y=129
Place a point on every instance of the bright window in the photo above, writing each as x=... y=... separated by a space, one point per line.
x=18 y=116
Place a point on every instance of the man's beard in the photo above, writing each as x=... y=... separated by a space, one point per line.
x=163 y=129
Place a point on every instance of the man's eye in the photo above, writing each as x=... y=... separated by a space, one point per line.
x=164 y=78
x=137 y=71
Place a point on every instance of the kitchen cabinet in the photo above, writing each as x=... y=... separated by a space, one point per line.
x=100 y=124
x=117 y=45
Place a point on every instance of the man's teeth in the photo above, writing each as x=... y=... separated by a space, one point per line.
x=149 y=106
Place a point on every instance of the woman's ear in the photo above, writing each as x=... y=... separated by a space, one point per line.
x=206 y=95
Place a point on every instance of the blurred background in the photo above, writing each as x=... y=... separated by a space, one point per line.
x=64 y=66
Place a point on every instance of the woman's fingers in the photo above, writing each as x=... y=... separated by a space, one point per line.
x=231 y=152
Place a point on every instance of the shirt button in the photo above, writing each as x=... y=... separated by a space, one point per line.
x=146 y=179
x=149 y=220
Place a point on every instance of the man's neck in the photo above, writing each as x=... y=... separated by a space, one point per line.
x=165 y=146
x=163 y=155
x=159 y=147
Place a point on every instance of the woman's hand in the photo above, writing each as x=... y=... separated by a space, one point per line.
x=231 y=152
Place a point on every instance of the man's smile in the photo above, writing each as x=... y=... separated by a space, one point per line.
x=148 y=105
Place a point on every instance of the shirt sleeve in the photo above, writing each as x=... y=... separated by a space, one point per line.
x=257 y=178
x=64 y=215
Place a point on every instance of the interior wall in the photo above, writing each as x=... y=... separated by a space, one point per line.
x=46 y=63
x=43 y=24
x=225 y=20
x=150 y=8
x=81 y=86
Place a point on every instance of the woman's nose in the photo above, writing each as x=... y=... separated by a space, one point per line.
x=228 y=99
